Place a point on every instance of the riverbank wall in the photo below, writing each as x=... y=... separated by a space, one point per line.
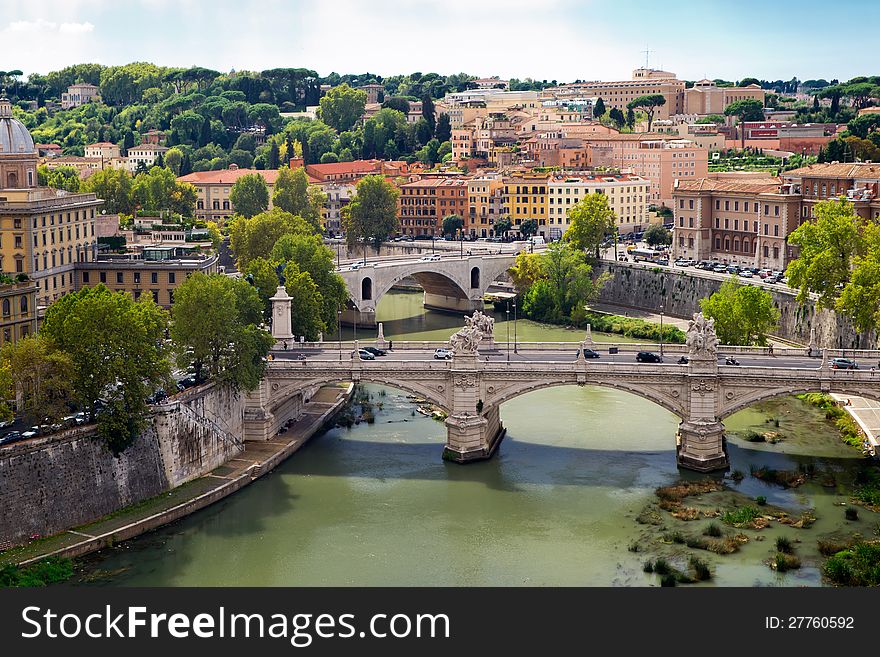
x=679 y=292
x=71 y=478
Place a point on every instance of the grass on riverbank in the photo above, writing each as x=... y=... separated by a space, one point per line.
x=848 y=428
x=630 y=327
x=43 y=573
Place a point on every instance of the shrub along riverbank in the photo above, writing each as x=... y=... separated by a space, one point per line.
x=849 y=430
x=630 y=327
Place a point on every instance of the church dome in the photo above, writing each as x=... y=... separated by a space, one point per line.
x=14 y=137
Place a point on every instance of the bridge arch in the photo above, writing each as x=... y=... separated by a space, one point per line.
x=668 y=400
x=743 y=402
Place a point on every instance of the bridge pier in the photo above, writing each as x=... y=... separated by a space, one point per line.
x=700 y=446
x=452 y=304
x=473 y=437
x=359 y=318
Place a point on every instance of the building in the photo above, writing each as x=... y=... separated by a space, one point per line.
x=79 y=94
x=103 y=150
x=339 y=194
x=375 y=92
x=662 y=159
x=485 y=205
x=617 y=95
x=86 y=166
x=213 y=189
x=491 y=83
x=18 y=310
x=627 y=197
x=525 y=197
x=858 y=182
x=423 y=204
x=43 y=231
x=706 y=97
x=144 y=156
x=157 y=271
x=48 y=150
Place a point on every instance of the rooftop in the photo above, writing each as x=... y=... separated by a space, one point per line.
x=767 y=185
x=837 y=170
x=229 y=176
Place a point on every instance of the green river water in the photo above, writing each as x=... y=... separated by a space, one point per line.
x=558 y=505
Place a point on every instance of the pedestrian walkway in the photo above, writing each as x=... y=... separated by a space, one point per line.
x=257 y=459
x=866 y=413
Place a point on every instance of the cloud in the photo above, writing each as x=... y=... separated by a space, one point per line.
x=75 y=28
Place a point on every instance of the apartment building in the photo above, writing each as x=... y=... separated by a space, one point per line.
x=627 y=197
x=339 y=194
x=157 y=271
x=485 y=205
x=525 y=197
x=18 y=310
x=144 y=156
x=102 y=150
x=423 y=204
x=858 y=182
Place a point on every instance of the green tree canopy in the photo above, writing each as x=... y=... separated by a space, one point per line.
x=748 y=109
x=117 y=353
x=658 y=234
x=528 y=227
x=452 y=223
x=649 y=103
x=249 y=195
x=503 y=226
x=743 y=314
x=342 y=106
x=256 y=237
x=115 y=187
x=216 y=330
x=592 y=220
x=293 y=194
x=564 y=285
x=39 y=378
x=371 y=216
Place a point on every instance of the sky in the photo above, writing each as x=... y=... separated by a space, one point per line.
x=559 y=40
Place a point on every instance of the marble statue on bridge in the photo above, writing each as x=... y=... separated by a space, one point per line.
x=701 y=338
x=481 y=321
x=466 y=340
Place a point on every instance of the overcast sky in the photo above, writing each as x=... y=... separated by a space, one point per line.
x=543 y=39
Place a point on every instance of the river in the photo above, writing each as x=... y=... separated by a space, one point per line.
x=558 y=505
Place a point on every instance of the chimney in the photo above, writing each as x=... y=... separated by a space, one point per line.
x=296 y=162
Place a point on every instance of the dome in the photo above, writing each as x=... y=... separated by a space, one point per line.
x=14 y=137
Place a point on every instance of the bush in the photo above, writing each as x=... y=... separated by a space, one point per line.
x=855 y=566
x=784 y=545
x=701 y=569
x=42 y=573
x=712 y=530
x=851 y=513
x=754 y=437
x=662 y=567
x=761 y=500
x=668 y=580
x=741 y=516
x=630 y=327
x=783 y=562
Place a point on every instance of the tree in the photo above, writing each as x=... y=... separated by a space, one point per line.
x=64 y=177
x=428 y=112
x=528 y=227
x=743 y=314
x=397 y=103
x=216 y=330
x=658 y=234
x=158 y=189
x=599 y=108
x=828 y=246
x=249 y=195
x=173 y=160
x=256 y=237
x=860 y=297
x=748 y=109
x=630 y=118
x=117 y=352
x=443 y=131
x=115 y=186
x=745 y=82
x=527 y=269
x=342 y=106
x=503 y=226
x=310 y=255
x=648 y=103
x=372 y=213
x=293 y=194
x=617 y=116
x=39 y=378
x=452 y=223
x=274 y=156
x=307 y=305
x=592 y=220
x=565 y=284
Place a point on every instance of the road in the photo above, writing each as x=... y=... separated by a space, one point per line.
x=524 y=354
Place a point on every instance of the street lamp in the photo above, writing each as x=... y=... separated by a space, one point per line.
x=508 y=332
x=661 y=330
x=339 y=330
x=461 y=243
x=514 y=326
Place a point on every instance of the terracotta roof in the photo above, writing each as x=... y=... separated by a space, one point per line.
x=756 y=186
x=436 y=182
x=101 y=143
x=336 y=168
x=151 y=147
x=848 y=170
x=229 y=176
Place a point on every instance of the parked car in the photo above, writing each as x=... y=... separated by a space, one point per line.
x=591 y=353
x=7 y=423
x=442 y=353
x=745 y=273
x=430 y=258
x=355 y=266
x=843 y=364
x=648 y=357
x=11 y=437
x=375 y=351
x=366 y=355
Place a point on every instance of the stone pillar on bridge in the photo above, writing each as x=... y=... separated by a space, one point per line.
x=281 y=319
x=700 y=440
x=472 y=432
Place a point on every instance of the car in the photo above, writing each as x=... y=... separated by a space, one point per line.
x=648 y=357
x=11 y=437
x=442 y=353
x=375 y=351
x=355 y=266
x=591 y=353
x=366 y=355
x=664 y=262
x=843 y=364
x=745 y=273
x=7 y=423
x=431 y=257
x=29 y=434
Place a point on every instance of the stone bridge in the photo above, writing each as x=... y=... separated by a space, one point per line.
x=472 y=388
x=452 y=282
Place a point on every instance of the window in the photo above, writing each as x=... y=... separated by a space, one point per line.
x=766 y=251
x=727 y=205
x=154 y=277
x=155 y=296
x=717 y=205
x=85 y=277
x=690 y=222
x=736 y=206
x=171 y=297
x=776 y=231
x=690 y=204
x=119 y=278
x=103 y=276
x=7 y=309
x=171 y=278
x=776 y=210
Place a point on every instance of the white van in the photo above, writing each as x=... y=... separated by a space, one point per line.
x=537 y=240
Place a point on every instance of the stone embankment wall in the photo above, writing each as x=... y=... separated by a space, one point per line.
x=68 y=479
x=680 y=291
